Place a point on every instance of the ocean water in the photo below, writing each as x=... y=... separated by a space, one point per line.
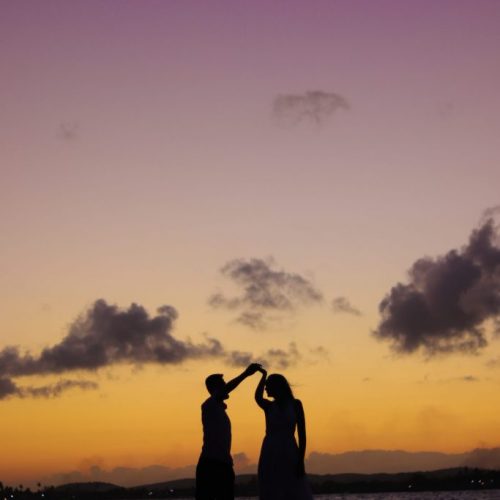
x=427 y=495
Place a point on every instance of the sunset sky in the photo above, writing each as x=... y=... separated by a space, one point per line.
x=271 y=170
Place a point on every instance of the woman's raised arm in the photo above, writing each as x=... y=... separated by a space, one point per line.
x=259 y=391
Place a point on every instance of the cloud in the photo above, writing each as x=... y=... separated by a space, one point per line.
x=8 y=388
x=272 y=358
x=493 y=362
x=103 y=336
x=453 y=380
x=54 y=390
x=320 y=353
x=106 y=335
x=447 y=301
x=265 y=293
x=313 y=106
x=68 y=131
x=342 y=305
x=490 y=213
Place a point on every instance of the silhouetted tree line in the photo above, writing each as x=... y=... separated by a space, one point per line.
x=444 y=480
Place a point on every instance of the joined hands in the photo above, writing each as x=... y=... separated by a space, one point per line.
x=252 y=368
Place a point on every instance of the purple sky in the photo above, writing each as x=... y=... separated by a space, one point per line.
x=140 y=152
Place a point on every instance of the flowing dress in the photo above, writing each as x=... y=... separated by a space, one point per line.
x=279 y=457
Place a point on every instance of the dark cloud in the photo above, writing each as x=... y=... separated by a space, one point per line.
x=103 y=336
x=447 y=301
x=7 y=388
x=313 y=106
x=106 y=335
x=265 y=293
x=343 y=305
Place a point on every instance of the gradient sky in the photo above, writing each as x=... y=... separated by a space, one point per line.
x=140 y=153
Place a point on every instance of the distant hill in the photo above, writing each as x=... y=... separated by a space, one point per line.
x=393 y=461
x=389 y=461
x=359 y=462
x=95 y=486
x=461 y=478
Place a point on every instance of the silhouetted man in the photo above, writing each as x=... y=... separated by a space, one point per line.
x=214 y=473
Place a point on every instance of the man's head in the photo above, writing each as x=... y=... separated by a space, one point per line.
x=216 y=386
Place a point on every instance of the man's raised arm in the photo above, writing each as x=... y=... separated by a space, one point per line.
x=235 y=382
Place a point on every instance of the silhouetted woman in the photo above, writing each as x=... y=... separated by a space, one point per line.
x=281 y=462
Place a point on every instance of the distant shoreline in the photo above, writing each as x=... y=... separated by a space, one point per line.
x=455 y=479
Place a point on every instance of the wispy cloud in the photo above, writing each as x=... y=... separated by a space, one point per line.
x=8 y=388
x=265 y=293
x=493 y=362
x=343 y=305
x=443 y=307
x=273 y=358
x=314 y=106
x=68 y=131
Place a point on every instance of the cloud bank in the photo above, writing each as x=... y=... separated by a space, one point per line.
x=447 y=301
x=265 y=293
x=313 y=106
x=106 y=335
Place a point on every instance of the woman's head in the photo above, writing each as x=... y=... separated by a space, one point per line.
x=277 y=387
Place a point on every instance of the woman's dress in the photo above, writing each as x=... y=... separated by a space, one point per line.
x=279 y=457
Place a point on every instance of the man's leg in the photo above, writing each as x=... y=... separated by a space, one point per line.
x=225 y=489
x=204 y=481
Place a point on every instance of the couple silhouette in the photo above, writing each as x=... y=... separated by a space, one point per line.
x=281 y=472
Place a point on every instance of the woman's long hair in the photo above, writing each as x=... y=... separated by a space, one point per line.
x=281 y=390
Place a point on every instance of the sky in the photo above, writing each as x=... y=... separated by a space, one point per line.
x=188 y=186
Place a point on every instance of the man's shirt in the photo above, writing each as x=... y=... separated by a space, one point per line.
x=216 y=431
